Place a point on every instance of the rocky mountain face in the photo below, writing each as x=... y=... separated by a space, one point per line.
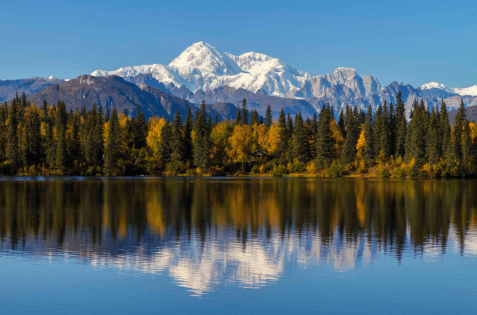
x=114 y=91
x=9 y=88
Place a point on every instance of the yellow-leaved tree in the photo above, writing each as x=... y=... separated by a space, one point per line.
x=361 y=144
x=241 y=143
x=273 y=137
x=337 y=138
x=220 y=141
x=154 y=134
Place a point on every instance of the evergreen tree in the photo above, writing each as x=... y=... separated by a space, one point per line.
x=401 y=127
x=244 y=112
x=216 y=120
x=140 y=130
x=300 y=140
x=188 y=146
x=282 y=148
x=348 y=153
x=12 y=136
x=324 y=139
x=268 y=117
x=445 y=132
x=467 y=148
x=177 y=140
x=368 y=134
x=112 y=149
x=238 y=118
x=60 y=162
x=165 y=149
x=254 y=118
x=201 y=139
x=342 y=123
x=459 y=123
x=433 y=139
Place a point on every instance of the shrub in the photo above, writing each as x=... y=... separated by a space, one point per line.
x=267 y=167
x=256 y=169
x=174 y=168
x=279 y=171
x=191 y=172
x=311 y=168
x=335 y=170
x=384 y=173
x=298 y=167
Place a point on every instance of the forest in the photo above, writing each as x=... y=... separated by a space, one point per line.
x=50 y=140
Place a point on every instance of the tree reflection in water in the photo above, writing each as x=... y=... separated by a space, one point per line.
x=244 y=231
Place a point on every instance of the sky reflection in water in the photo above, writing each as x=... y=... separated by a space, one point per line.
x=290 y=239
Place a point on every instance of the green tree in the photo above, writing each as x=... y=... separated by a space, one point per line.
x=177 y=140
x=268 y=117
x=202 y=139
x=324 y=138
x=112 y=149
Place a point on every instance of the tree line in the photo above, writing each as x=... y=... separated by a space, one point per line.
x=50 y=140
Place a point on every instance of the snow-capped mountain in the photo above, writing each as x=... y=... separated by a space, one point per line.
x=469 y=91
x=202 y=66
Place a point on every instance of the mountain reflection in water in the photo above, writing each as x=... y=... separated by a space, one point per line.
x=245 y=232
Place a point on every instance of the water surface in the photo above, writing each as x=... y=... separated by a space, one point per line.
x=127 y=245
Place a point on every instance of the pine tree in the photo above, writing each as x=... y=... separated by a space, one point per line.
x=12 y=136
x=301 y=151
x=188 y=145
x=140 y=130
x=401 y=127
x=254 y=118
x=165 y=149
x=348 y=153
x=368 y=134
x=445 y=132
x=433 y=139
x=60 y=162
x=324 y=139
x=216 y=120
x=244 y=112
x=459 y=123
x=238 y=118
x=467 y=148
x=112 y=149
x=342 y=123
x=282 y=148
x=201 y=139
x=268 y=117
x=177 y=140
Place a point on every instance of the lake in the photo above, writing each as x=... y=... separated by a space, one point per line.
x=220 y=245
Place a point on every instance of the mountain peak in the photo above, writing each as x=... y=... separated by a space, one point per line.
x=206 y=59
x=345 y=72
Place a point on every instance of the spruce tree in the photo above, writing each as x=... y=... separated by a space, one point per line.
x=268 y=117
x=140 y=130
x=244 y=112
x=60 y=161
x=188 y=145
x=324 y=138
x=401 y=127
x=201 y=139
x=433 y=139
x=238 y=118
x=348 y=153
x=301 y=151
x=165 y=149
x=254 y=118
x=112 y=148
x=12 y=136
x=368 y=134
x=177 y=140
x=459 y=123
x=282 y=147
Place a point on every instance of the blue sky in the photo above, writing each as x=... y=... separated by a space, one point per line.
x=406 y=41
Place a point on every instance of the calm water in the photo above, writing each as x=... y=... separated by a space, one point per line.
x=257 y=246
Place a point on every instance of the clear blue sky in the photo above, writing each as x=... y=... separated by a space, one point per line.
x=406 y=41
